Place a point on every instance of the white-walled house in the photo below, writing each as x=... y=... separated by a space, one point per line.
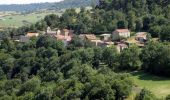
x=49 y=32
x=119 y=33
x=105 y=37
x=121 y=46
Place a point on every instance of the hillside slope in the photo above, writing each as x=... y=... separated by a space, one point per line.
x=72 y=3
x=38 y=6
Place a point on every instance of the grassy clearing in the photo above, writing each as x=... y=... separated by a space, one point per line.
x=13 y=19
x=20 y=20
x=160 y=86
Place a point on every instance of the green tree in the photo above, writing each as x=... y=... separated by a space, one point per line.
x=7 y=44
x=31 y=85
x=145 y=95
x=139 y=25
x=97 y=57
x=44 y=94
x=6 y=64
x=155 y=31
x=110 y=56
x=121 y=24
x=51 y=20
x=42 y=25
x=155 y=58
x=130 y=59
x=131 y=20
x=167 y=97
x=164 y=35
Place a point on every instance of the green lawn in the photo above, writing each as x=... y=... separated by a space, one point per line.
x=158 y=85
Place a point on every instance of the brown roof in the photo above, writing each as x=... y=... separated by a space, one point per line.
x=65 y=30
x=90 y=37
x=32 y=34
x=122 y=30
x=131 y=40
x=141 y=34
x=62 y=37
x=69 y=31
x=134 y=41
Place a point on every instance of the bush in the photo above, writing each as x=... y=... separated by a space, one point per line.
x=145 y=95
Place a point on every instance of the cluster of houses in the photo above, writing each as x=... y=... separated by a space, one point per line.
x=121 y=38
x=65 y=35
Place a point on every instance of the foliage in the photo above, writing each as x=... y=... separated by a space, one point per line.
x=155 y=57
x=110 y=56
x=129 y=58
x=165 y=36
x=145 y=95
x=44 y=69
x=167 y=97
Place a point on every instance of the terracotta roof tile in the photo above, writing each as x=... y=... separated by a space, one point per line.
x=141 y=34
x=122 y=30
x=62 y=37
x=32 y=34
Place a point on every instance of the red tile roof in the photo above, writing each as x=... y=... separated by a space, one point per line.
x=122 y=30
x=62 y=37
x=65 y=30
x=32 y=34
x=141 y=34
x=88 y=36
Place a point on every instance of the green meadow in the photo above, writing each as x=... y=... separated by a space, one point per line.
x=160 y=86
x=18 y=20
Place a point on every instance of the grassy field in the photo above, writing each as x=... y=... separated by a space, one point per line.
x=13 y=19
x=20 y=20
x=158 y=85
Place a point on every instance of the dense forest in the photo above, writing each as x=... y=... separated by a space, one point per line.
x=40 y=6
x=44 y=69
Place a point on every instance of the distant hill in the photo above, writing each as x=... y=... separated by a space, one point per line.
x=73 y=3
x=38 y=6
x=25 y=7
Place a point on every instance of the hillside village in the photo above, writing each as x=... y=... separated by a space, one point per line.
x=116 y=50
x=121 y=38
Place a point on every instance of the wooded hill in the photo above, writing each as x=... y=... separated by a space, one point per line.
x=138 y=15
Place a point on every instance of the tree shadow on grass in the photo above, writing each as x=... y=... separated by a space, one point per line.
x=147 y=76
